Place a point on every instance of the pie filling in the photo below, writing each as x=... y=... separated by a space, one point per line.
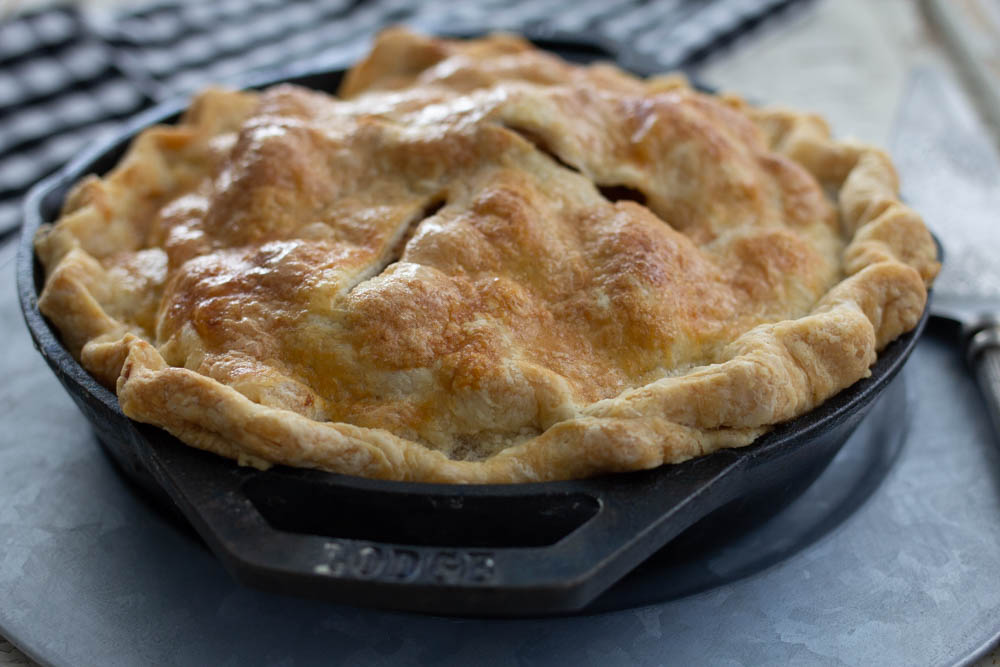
x=480 y=263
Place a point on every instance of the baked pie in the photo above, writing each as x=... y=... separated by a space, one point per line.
x=480 y=263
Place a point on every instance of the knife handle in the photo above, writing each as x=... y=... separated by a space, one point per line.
x=984 y=357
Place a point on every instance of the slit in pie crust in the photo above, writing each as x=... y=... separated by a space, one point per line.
x=480 y=264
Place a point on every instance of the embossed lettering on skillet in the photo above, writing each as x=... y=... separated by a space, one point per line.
x=483 y=264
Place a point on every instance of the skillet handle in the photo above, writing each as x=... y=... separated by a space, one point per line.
x=984 y=358
x=634 y=517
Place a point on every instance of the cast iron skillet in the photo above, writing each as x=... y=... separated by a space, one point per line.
x=478 y=549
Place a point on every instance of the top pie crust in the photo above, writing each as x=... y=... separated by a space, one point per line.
x=482 y=264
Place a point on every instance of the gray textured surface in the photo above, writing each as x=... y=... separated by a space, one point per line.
x=91 y=575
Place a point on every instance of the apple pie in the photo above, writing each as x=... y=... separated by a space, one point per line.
x=479 y=263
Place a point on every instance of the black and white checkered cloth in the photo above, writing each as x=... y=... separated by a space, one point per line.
x=67 y=76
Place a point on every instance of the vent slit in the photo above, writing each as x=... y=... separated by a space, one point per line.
x=398 y=246
x=541 y=145
x=395 y=252
x=613 y=193
x=617 y=193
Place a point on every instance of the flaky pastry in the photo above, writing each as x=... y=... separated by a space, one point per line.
x=481 y=264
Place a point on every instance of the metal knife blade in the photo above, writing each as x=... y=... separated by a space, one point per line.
x=950 y=173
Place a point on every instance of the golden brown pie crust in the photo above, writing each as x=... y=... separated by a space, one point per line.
x=483 y=264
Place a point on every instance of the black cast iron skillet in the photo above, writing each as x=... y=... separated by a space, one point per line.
x=477 y=549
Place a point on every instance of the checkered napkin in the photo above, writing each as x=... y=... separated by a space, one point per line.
x=67 y=76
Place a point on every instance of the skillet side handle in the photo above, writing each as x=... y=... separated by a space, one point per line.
x=495 y=581
x=984 y=358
